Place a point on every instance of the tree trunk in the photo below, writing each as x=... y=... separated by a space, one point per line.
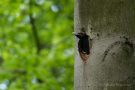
x=111 y=26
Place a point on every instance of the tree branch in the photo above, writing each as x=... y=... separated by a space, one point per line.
x=33 y=27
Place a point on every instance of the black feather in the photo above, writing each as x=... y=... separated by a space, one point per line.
x=83 y=44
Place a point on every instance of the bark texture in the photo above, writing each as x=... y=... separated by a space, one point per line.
x=111 y=26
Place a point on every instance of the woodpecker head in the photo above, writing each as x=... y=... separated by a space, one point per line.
x=80 y=35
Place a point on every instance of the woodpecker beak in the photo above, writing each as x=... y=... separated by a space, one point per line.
x=74 y=33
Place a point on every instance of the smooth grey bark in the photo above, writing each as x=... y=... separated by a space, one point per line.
x=111 y=26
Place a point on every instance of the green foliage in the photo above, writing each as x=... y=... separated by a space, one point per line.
x=22 y=65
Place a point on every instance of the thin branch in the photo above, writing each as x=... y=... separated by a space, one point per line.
x=33 y=27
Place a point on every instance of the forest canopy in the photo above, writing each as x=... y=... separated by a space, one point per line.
x=36 y=44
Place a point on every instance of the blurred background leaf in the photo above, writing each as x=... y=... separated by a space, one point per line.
x=36 y=45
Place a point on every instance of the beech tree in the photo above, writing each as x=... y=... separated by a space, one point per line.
x=110 y=26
